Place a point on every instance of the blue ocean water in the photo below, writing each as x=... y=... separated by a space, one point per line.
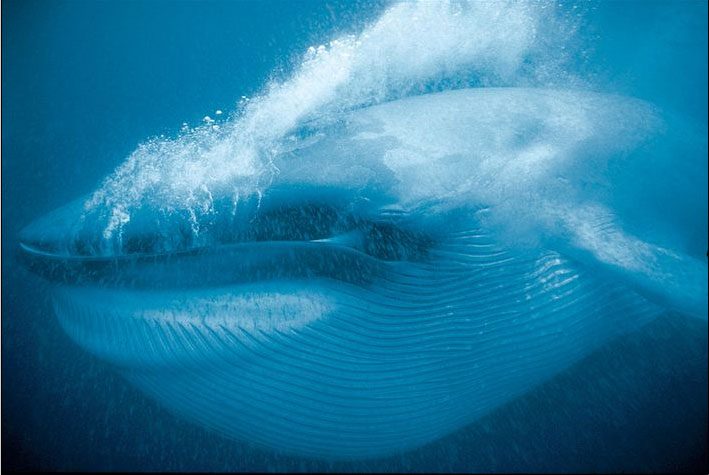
x=85 y=83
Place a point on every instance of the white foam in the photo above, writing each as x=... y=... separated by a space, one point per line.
x=411 y=48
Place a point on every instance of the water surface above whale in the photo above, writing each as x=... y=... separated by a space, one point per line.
x=385 y=277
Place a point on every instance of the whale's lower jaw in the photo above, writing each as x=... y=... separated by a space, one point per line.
x=327 y=368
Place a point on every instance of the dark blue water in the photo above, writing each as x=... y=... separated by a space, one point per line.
x=85 y=82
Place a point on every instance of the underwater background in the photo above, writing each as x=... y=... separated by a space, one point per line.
x=85 y=82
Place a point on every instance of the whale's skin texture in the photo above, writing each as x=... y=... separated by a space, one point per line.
x=448 y=253
x=330 y=369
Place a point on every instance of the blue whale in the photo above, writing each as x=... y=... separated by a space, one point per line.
x=408 y=268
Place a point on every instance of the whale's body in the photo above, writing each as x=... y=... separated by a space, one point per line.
x=411 y=267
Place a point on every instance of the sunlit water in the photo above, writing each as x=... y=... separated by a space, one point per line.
x=577 y=128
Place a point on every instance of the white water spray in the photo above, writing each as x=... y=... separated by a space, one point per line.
x=412 y=48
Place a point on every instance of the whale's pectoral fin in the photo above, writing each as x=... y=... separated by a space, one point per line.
x=668 y=278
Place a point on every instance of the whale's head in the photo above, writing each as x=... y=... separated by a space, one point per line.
x=384 y=278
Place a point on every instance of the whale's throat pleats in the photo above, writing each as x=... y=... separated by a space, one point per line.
x=338 y=366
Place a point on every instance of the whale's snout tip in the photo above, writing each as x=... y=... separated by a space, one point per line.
x=53 y=233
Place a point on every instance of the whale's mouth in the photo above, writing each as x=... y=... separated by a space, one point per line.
x=262 y=241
